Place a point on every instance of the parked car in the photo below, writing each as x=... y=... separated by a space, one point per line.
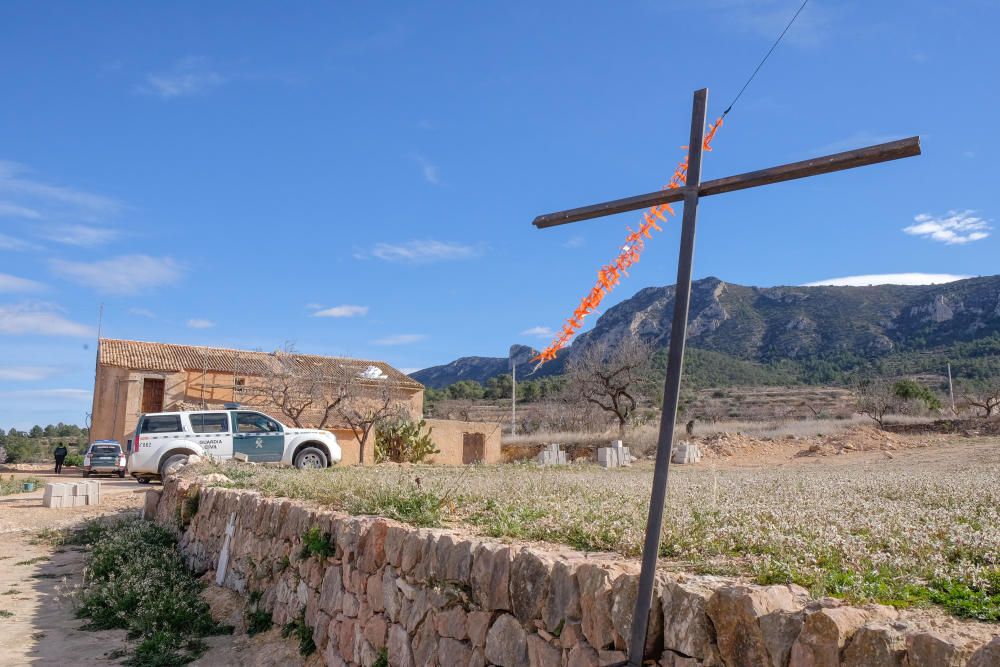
x=163 y=438
x=104 y=457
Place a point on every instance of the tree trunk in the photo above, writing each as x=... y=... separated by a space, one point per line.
x=361 y=446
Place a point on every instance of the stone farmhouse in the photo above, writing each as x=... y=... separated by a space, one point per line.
x=137 y=377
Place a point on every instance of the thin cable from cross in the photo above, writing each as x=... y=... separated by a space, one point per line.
x=610 y=274
x=764 y=59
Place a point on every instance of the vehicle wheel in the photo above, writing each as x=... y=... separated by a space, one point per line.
x=310 y=457
x=172 y=463
x=142 y=480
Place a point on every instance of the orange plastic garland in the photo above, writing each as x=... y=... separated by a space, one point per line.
x=610 y=274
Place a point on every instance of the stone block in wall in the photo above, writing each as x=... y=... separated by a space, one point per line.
x=478 y=624
x=399 y=652
x=507 y=642
x=824 y=635
x=756 y=625
x=876 y=645
x=686 y=627
x=624 y=591
x=454 y=653
x=150 y=504
x=582 y=655
x=927 y=649
x=376 y=630
x=491 y=577
x=372 y=547
x=595 y=603
x=529 y=584
x=425 y=643
x=562 y=604
x=452 y=622
x=988 y=655
x=394 y=538
x=410 y=555
x=543 y=654
x=458 y=565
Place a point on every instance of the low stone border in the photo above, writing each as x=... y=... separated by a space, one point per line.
x=437 y=597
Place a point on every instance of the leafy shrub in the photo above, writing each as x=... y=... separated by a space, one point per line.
x=12 y=485
x=301 y=630
x=74 y=460
x=315 y=543
x=136 y=580
x=911 y=390
x=403 y=441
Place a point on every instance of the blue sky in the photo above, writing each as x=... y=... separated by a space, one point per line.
x=360 y=179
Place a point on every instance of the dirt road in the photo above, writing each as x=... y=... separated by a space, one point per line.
x=38 y=582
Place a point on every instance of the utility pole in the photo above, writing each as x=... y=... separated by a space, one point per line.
x=951 y=390
x=513 y=391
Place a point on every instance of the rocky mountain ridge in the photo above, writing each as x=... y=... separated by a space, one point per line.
x=771 y=325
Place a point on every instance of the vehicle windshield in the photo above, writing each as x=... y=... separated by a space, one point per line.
x=105 y=449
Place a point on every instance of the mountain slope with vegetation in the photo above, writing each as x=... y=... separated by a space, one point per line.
x=744 y=335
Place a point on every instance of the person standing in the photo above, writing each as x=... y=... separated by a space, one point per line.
x=60 y=455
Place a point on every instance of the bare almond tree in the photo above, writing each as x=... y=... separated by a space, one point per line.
x=874 y=397
x=984 y=397
x=368 y=400
x=611 y=379
x=306 y=393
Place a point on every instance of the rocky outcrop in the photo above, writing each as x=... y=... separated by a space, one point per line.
x=759 y=324
x=372 y=590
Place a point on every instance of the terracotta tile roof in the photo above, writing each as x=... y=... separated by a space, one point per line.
x=140 y=355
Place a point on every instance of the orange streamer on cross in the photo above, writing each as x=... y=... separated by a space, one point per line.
x=611 y=274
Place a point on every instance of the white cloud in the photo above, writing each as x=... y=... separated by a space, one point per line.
x=188 y=76
x=25 y=373
x=10 y=210
x=71 y=394
x=541 y=332
x=400 y=339
x=9 y=283
x=128 y=274
x=342 y=311
x=954 y=228
x=408 y=371
x=428 y=169
x=200 y=324
x=419 y=252
x=574 y=242
x=39 y=319
x=143 y=312
x=890 y=279
x=46 y=201
x=79 y=235
x=11 y=243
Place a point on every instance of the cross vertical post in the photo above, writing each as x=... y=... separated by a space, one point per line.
x=689 y=194
x=672 y=383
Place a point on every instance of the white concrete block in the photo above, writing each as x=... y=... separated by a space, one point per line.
x=54 y=495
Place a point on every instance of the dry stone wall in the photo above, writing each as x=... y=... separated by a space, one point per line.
x=373 y=588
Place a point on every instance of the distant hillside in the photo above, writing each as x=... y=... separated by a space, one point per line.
x=780 y=335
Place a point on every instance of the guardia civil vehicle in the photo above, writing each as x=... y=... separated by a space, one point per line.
x=164 y=438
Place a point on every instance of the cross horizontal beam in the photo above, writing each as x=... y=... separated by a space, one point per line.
x=860 y=157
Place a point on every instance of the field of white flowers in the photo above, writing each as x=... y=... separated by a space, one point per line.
x=910 y=530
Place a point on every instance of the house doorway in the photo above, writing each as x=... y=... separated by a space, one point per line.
x=152 y=395
x=473 y=447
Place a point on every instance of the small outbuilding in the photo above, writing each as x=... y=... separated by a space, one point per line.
x=137 y=377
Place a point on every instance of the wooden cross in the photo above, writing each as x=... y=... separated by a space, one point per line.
x=690 y=194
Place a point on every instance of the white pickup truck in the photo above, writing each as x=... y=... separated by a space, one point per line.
x=163 y=438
